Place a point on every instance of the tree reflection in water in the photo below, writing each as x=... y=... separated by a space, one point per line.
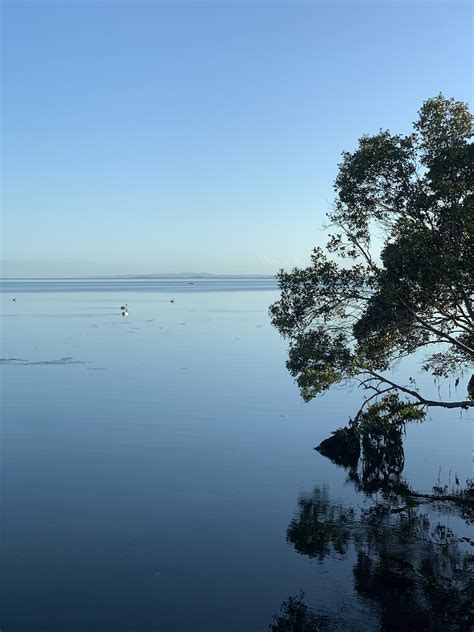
x=409 y=564
x=295 y=616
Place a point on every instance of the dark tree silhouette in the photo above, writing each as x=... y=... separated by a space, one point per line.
x=358 y=309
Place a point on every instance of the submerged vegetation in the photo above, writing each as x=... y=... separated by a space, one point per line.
x=397 y=275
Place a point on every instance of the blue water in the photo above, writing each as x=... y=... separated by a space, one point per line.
x=124 y=286
x=151 y=465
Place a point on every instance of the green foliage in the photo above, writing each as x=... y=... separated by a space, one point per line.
x=389 y=412
x=317 y=360
x=364 y=303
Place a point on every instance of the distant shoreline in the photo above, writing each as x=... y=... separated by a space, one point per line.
x=203 y=275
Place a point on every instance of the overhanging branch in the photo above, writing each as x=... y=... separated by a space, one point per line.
x=421 y=401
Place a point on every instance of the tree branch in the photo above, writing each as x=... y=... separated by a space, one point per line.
x=376 y=394
x=439 y=332
x=421 y=400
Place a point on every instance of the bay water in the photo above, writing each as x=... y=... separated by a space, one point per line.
x=152 y=465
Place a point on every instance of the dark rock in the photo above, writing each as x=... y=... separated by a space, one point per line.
x=342 y=447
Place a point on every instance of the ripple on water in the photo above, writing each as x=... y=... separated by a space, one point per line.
x=23 y=362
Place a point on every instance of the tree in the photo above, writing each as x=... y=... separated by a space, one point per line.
x=397 y=275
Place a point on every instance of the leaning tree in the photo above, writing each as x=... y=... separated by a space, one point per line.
x=397 y=274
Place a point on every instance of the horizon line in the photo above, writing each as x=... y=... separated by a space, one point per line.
x=171 y=275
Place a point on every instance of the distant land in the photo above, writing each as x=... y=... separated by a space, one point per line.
x=190 y=275
x=170 y=275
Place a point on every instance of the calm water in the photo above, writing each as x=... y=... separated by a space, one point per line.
x=156 y=469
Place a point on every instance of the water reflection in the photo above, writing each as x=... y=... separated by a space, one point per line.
x=321 y=528
x=411 y=567
x=295 y=616
x=374 y=459
x=409 y=562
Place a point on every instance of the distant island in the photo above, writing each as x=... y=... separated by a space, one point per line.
x=190 y=275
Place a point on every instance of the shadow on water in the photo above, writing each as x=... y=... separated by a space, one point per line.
x=409 y=563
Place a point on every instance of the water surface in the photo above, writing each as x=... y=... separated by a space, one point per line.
x=153 y=466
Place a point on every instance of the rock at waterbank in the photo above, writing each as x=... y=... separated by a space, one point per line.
x=342 y=447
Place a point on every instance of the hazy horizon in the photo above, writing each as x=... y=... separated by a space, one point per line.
x=168 y=275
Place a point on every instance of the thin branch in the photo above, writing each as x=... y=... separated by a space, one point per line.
x=421 y=400
x=438 y=332
x=467 y=302
x=376 y=394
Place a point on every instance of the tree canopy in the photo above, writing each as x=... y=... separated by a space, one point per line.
x=397 y=274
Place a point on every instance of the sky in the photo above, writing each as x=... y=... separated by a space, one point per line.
x=158 y=137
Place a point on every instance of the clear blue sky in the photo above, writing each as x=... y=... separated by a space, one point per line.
x=144 y=137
